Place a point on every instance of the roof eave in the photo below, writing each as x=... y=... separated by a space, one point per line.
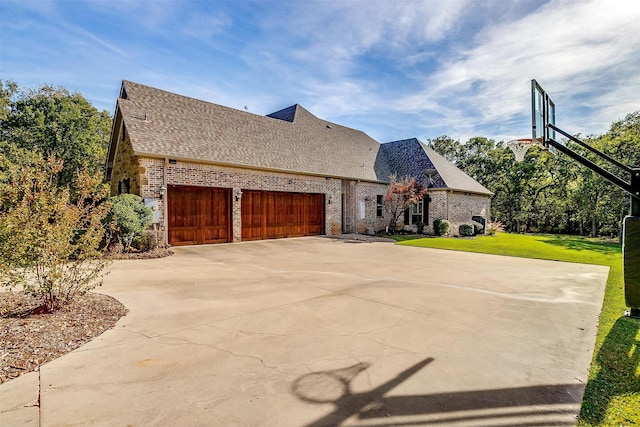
x=253 y=167
x=464 y=190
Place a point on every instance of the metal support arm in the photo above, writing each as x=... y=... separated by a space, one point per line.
x=626 y=186
x=590 y=148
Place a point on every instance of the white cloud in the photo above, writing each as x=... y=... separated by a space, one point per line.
x=570 y=47
x=334 y=35
x=393 y=69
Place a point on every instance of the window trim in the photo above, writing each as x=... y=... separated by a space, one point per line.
x=379 y=205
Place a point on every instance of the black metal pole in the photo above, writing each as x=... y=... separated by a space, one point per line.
x=589 y=164
x=631 y=255
x=635 y=191
x=590 y=148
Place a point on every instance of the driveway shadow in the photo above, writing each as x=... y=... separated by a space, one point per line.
x=619 y=359
x=536 y=405
x=582 y=244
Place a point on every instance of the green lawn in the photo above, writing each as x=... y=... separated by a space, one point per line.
x=612 y=395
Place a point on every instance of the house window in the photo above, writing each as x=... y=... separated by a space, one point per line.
x=123 y=186
x=379 y=204
x=416 y=212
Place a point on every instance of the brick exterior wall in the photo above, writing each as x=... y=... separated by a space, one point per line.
x=125 y=166
x=437 y=208
x=366 y=193
x=187 y=173
x=457 y=207
x=350 y=205
x=147 y=176
x=462 y=206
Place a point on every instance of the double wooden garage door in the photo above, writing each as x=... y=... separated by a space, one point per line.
x=199 y=215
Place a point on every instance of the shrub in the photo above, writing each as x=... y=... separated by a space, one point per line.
x=465 y=230
x=50 y=236
x=150 y=240
x=419 y=227
x=495 y=227
x=477 y=228
x=441 y=226
x=129 y=217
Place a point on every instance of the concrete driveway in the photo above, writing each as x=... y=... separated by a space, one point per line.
x=316 y=331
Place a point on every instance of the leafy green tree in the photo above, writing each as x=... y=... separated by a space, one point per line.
x=7 y=92
x=54 y=121
x=448 y=148
x=50 y=235
x=130 y=217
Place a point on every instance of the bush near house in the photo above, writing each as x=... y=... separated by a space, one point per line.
x=150 y=240
x=441 y=226
x=130 y=217
x=494 y=228
x=466 y=230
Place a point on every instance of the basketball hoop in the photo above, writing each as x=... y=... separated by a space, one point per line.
x=520 y=147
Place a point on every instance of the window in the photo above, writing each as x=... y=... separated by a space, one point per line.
x=417 y=208
x=416 y=212
x=379 y=205
x=123 y=186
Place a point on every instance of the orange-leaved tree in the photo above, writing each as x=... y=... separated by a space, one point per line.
x=402 y=194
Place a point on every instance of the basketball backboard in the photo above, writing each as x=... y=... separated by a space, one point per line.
x=543 y=113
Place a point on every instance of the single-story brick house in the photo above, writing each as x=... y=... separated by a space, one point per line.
x=216 y=174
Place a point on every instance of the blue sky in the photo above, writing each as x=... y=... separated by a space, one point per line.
x=394 y=69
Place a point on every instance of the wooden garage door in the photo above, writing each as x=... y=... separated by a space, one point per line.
x=199 y=215
x=272 y=215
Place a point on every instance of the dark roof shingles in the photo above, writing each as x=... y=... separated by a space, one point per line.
x=165 y=124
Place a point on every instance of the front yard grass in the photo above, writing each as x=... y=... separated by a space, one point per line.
x=612 y=395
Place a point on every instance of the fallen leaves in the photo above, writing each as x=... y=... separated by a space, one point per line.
x=29 y=340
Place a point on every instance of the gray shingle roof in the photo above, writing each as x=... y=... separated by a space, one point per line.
x=164 y=124
x=412 y=157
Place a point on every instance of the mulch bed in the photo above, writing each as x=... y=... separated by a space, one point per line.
x=156 y=253
x=29 y=340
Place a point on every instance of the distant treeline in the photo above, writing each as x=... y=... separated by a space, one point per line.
x=551 y=193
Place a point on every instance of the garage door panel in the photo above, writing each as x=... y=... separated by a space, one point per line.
x=183 y=236
x=198 y=215
x=251 y=215
x=214 y=217
x=314 y=214
x=272 y=215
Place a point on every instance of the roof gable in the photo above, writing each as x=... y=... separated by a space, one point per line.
x=286 y=114
x=164 y=124
x=410 y=157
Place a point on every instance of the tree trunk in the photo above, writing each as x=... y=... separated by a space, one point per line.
x=594 y=227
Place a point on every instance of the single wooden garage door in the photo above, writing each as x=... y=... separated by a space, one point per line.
x=272 y=215
x=199 y=215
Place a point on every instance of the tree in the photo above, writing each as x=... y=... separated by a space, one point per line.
x=402 y=194
x=551 y=193
x=50 y=235
x=54 y=121
x=448 y=148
